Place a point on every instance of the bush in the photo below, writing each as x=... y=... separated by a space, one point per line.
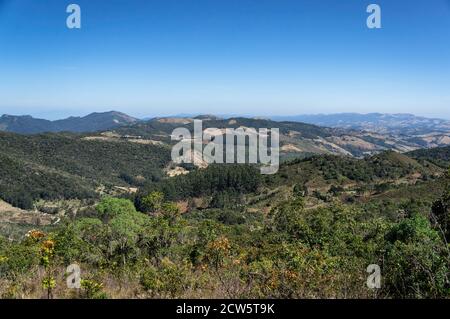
x=169 y=280
x=110 y=207
x=415 y=265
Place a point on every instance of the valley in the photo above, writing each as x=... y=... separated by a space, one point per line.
x=141 y=226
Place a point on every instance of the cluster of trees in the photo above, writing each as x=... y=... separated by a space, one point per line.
x=439 y=156
x=256 y=237
x=231 y=179
x=367 y=172
x=21 y=183
x=65 y=166
x=292 y=252
x=387 y=165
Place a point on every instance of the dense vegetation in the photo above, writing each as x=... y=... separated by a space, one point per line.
x=64 y=166
x=439 y=156
x=309 y=231
x=215 y=178
x=292 y=252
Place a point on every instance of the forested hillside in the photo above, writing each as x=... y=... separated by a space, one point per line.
x=439 y=156
x=58 y=166
x=223 y=231
x=288 y=251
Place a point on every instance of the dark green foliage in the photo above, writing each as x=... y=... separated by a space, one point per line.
x=336 y=170
x=109 y=208
x=296 y=234
x=226 y=199
x=440 y=213
x=58 y=166
x=439 y=156
x=152 y=202
x=21 y=183
x=415 y=262
x=386 y=165
x=17 y=259
x=234 y=179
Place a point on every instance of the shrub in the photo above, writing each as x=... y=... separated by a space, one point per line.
x=415 y=265
x=110 y=207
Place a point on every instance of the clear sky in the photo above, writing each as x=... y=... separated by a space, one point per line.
x=260 y=57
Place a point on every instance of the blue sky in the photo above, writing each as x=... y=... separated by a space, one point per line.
x=260 y=57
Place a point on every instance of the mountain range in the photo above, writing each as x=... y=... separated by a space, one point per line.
x=341 y=134
x=406 y=124
x=374 y=122
x=27 y=124
x=114 y=200
x=296 y=138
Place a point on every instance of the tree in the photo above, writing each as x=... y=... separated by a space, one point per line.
x=415 y=265
x=300 y=190
x=170 y=211
x=287 y=218
x=125 y=230
x=441 y=215
x=169 y=280
x=153 y=201
x=110 y=207
x=47 y=256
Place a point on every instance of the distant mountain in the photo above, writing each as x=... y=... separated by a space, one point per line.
x=93 y=122
x=406 y=124
x=342 y=134
x=296 y=138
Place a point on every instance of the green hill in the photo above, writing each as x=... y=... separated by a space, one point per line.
x=52 y=166
x=439 y=156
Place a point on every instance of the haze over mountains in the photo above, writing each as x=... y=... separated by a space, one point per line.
x=374 y=122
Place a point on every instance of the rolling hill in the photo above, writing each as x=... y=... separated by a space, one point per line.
x=63 y=166
x=296 y=138
x=343 y=134
x=439 y=156
x=68 y=165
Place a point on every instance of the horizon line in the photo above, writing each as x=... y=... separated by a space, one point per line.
x=218 y=115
